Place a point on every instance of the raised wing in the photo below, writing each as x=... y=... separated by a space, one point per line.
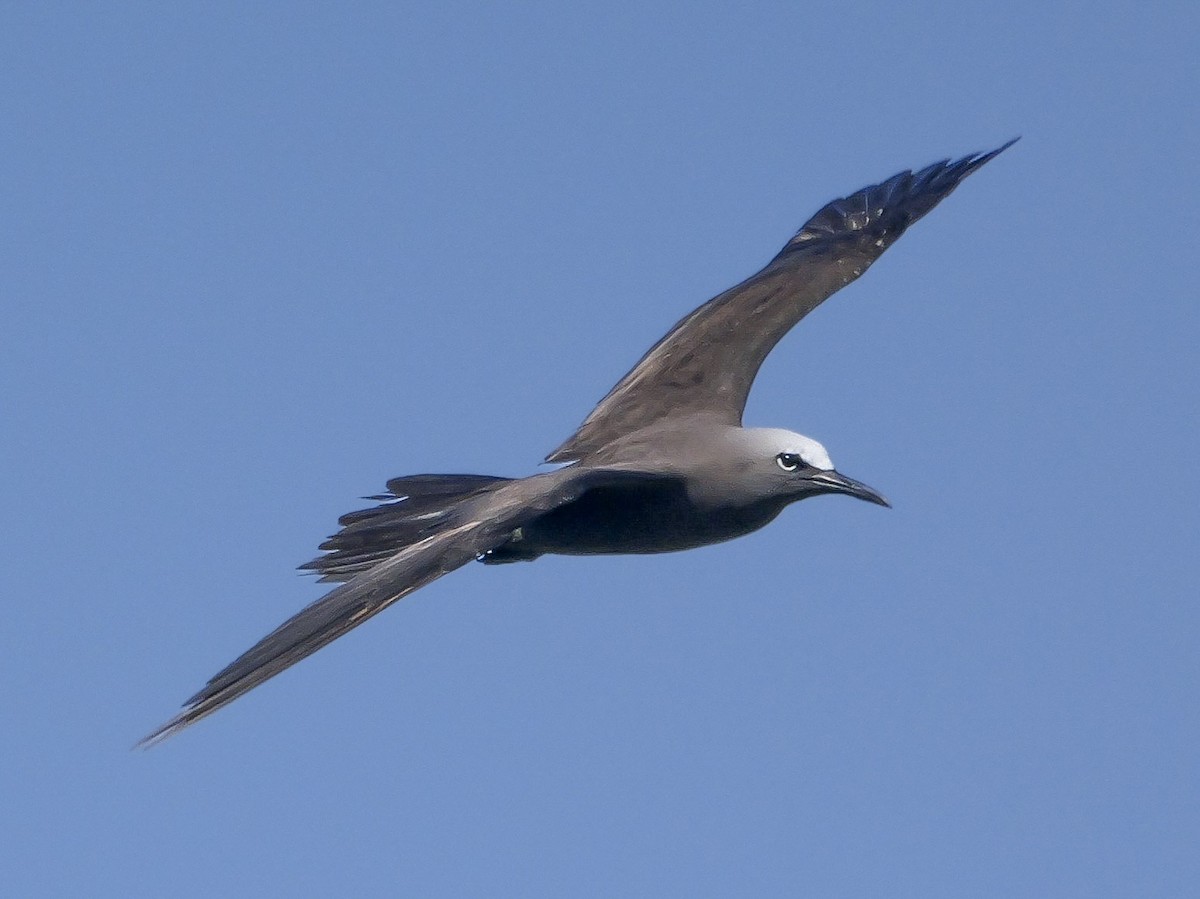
x=707 y=362
x=483 y=525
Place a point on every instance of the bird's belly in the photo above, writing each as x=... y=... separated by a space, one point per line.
x=642 y=521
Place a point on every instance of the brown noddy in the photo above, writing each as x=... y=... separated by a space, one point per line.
x=661 y=464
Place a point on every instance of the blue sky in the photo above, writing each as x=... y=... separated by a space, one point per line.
x=259 y=260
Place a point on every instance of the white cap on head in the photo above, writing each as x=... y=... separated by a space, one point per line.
x=780 y=440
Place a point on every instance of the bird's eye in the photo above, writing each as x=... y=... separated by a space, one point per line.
x=789 y=461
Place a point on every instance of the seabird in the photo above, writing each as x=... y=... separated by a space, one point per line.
x=661 y=464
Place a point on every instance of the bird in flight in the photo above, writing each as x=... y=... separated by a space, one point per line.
x=663 y=463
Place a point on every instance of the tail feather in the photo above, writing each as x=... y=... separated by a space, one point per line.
x=412 y=509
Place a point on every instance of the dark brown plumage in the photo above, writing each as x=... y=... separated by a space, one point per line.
x=661 y=464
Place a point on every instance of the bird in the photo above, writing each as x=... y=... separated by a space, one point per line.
x=663 y=463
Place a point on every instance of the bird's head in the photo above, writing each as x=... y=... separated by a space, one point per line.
x=794 y=467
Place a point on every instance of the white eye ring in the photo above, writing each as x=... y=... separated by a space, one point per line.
x=789 y=461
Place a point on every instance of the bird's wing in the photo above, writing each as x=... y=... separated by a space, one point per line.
x=484 y=526
x=707 y=362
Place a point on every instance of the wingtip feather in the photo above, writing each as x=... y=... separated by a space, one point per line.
x=885 y=210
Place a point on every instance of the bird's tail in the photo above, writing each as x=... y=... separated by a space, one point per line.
x=413 y=508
